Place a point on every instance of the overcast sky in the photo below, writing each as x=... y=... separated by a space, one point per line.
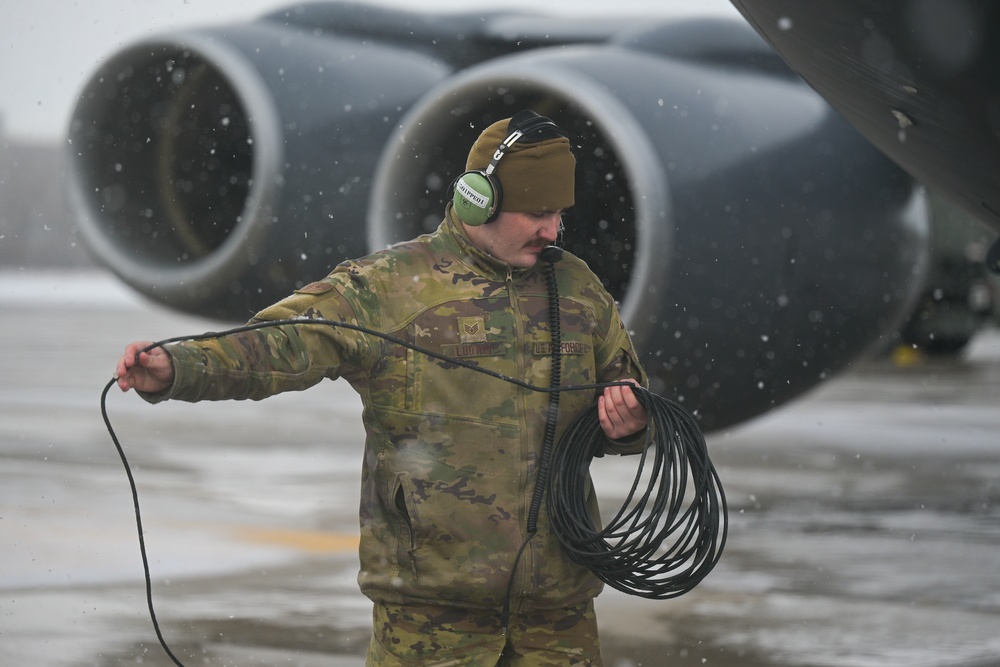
x=48 y=48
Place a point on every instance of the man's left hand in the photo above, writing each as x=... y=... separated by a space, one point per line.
x=620 y=412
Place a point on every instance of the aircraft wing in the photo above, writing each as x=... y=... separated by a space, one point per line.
x=918 y=79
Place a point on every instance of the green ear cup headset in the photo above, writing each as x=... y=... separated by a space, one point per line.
x=478 y=194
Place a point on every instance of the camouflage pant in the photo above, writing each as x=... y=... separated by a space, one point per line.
x=411 y=635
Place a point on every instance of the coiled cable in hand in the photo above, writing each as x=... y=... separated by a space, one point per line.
x=667 y=536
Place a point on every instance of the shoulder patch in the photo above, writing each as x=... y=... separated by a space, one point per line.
x=319 y=287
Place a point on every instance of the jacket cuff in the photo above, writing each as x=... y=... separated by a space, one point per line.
x=630 y=444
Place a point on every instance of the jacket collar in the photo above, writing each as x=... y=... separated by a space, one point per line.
x=476 y=258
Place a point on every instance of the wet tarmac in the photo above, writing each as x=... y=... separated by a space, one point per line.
x=865 y=517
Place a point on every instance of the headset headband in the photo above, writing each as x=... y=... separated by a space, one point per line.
x=528 y=123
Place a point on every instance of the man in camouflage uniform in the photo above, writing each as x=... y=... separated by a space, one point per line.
x=451 y=455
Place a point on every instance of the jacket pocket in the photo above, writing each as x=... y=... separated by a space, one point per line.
x=400 y=494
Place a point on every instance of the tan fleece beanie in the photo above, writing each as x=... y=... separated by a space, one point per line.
x=535 y=176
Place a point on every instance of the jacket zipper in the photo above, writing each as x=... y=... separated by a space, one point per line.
x=527 y=560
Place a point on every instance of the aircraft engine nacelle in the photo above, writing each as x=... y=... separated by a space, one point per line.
x=217 y=169
x=757 y=244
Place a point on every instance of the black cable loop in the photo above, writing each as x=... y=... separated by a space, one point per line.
x=623 y=554
x=138 y=523
x=628 y=553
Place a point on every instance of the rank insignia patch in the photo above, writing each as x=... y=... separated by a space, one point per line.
x=471 y=330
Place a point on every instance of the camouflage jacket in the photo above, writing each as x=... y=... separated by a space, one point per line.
x=450 y=454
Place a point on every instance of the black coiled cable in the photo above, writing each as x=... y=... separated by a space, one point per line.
x=666 y=537
x=555 y=353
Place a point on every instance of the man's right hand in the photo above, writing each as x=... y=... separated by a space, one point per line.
x=151 y=372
